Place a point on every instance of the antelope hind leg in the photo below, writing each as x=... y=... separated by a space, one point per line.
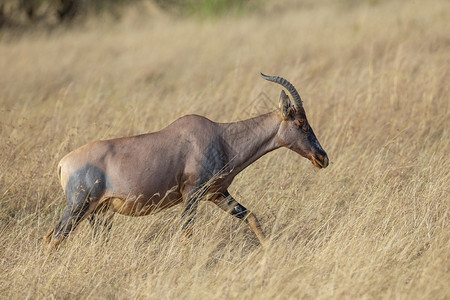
x=101 y=221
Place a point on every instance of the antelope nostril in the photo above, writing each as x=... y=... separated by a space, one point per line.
x=323 y=159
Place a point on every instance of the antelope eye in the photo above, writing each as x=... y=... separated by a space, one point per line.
x=301 y=123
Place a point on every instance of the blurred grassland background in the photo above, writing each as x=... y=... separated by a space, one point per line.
x=374 y=78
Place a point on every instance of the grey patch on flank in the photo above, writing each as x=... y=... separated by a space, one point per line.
x=85 y=186
x=89 y=181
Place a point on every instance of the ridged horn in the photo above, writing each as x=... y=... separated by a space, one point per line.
x=286 y=84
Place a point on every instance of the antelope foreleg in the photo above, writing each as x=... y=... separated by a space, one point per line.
x=190 y=210
x=234 y=208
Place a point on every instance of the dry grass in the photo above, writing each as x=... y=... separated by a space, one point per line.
x=375 y=83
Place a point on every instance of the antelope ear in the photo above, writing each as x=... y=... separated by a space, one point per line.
x=285 y=105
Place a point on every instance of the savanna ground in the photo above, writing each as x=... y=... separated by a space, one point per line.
x=374 y=78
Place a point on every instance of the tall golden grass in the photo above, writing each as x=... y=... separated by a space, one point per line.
x=374 y=78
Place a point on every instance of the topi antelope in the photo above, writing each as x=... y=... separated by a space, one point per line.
x=191 y=159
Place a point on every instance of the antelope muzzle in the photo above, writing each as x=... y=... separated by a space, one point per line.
x=319 y=159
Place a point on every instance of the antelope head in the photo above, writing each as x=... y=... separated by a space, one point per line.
x=295 y=132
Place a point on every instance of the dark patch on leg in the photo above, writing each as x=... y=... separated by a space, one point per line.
x=239 y=211
x=230 y=205
x=234 y=208
x=214 y=162
x=70 y=219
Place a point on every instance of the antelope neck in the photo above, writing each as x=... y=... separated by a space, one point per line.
x=248 y=140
